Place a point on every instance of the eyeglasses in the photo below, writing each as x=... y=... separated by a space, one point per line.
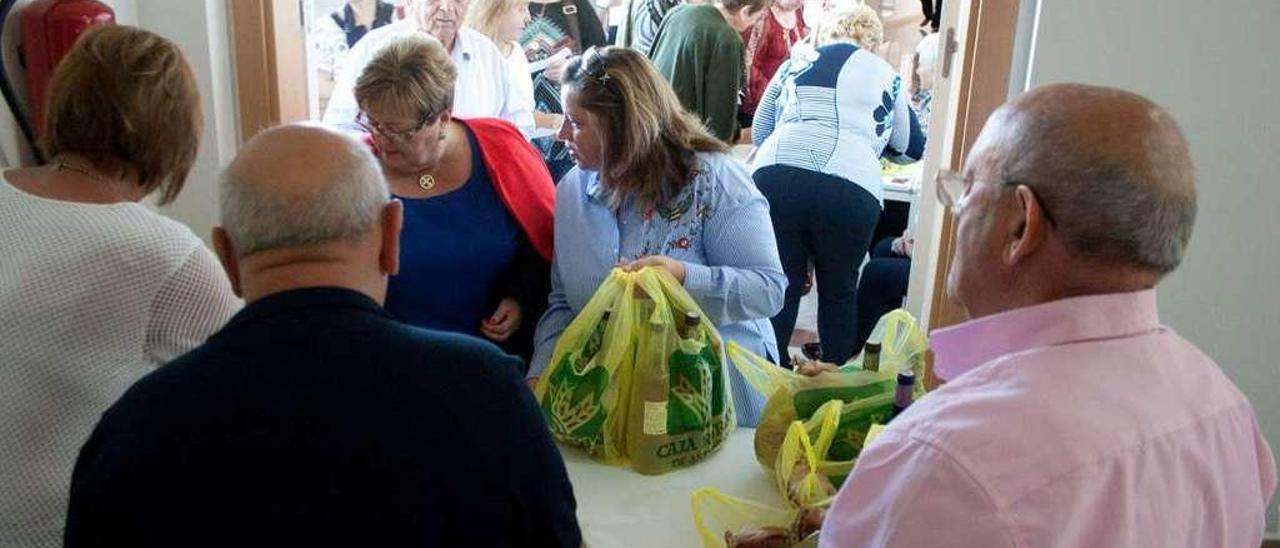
x=399 y=136
x=953 y=188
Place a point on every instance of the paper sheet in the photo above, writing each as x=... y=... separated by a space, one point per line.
x=536 y=66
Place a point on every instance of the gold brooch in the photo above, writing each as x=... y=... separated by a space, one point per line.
x=426 y=181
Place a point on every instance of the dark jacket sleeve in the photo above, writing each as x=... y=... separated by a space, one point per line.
x=590 y=26
x=720 y=86
x=544 y=510
x=91 y=518
x=528 y=281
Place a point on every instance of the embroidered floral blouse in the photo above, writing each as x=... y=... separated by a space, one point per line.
x=718 y=226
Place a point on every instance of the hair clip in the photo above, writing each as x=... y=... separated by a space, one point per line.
x=594 y=66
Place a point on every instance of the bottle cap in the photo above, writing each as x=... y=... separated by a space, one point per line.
x=906 y=376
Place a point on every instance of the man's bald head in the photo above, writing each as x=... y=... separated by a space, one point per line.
x=300 y=186
x=1111 y=168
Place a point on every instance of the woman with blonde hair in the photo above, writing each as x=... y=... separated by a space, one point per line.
x=477 y=201
x=503 y=21
x=653 y=188
x=97 y=289
x=826 y=119
x=855 y=23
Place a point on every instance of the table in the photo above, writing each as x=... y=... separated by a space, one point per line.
x=618 y=507
x=902 y=183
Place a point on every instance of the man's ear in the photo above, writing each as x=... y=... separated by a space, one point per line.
x=392 y=221
x=1030 y=230
x=227 y=256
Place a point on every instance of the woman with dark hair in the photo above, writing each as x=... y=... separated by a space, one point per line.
x=767 y=44
x=653 y=188
x=334 y=33
x=699 y=50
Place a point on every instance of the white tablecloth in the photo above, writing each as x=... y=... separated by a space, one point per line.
x=618 y=507
x=903 y=183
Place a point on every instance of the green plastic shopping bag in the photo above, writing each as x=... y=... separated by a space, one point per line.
x=638 y=378
x=867 y=395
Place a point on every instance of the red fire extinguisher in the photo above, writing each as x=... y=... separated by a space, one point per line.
x=49 y=29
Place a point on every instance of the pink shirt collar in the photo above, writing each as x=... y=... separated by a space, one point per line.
x=961 y=348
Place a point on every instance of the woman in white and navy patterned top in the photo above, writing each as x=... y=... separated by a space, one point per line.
x=827 y=118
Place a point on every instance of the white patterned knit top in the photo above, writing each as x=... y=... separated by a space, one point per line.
x=92 y=297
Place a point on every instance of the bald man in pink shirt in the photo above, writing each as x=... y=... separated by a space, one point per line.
x=1072 y=417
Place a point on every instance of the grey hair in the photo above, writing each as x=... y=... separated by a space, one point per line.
x=350 y=204
x=1133 y=208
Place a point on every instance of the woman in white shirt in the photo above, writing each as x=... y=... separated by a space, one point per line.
x=95 y=288
x=502 y=21
x=824 y=122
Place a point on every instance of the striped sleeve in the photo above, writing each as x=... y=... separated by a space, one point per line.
x=553 y=323
x=767 y=111
x=747 y=282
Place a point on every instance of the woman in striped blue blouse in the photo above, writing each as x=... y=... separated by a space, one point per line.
x=826 y=119
x=652 y=187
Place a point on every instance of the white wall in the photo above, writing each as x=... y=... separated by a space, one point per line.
x=13 y=148
x=199 y=27
x=1213 y=65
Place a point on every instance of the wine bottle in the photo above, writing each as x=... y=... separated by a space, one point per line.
x=904 y=394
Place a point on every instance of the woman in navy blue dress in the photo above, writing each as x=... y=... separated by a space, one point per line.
x=478 y=201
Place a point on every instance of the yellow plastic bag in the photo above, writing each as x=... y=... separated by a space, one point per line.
x=638 y=379
x=716 y=515
x=866 y=394
x=801 y=473
x=725 y=521
x=810 y=434
x=798 y=471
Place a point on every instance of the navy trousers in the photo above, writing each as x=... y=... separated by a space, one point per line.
x=829 y=221
x=882 y=288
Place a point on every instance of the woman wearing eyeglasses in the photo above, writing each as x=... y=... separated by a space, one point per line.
x=653 y=188
x=477 y=198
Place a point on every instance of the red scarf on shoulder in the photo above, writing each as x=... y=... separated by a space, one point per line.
x=520 y=177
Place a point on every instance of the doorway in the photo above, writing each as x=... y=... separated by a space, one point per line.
x=278 y=83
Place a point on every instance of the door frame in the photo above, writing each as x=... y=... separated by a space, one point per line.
x=270 y=62
x=978 y=41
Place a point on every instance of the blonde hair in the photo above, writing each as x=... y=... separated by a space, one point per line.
x=857 y=23
x=649 y=138
x=126 y=100
x=483 y=15
x=412 y=76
